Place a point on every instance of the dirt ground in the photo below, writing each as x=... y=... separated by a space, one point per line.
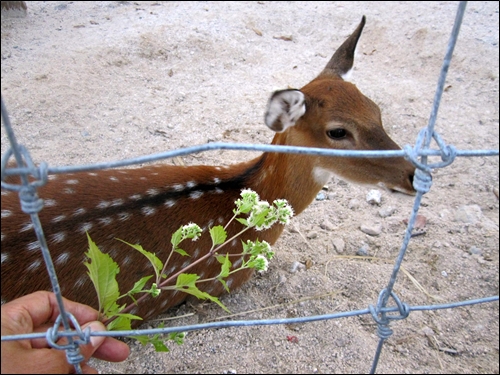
x=100 y=81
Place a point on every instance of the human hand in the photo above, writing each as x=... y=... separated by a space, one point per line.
x=36 y=313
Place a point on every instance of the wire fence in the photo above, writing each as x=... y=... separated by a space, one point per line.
x=382 y=315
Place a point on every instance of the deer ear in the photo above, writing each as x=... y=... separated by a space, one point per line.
x=342 y=61
x=284 y=108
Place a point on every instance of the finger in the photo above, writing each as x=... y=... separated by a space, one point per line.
x=105 y=348
x=27 y=312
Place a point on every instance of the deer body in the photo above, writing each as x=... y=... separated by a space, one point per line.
x=146 y=205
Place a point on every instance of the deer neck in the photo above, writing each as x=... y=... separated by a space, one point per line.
x=293 y=177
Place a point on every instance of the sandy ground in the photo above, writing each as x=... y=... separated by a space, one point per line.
x=99 y=81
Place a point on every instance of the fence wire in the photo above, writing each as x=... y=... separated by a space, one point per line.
x=382 y=315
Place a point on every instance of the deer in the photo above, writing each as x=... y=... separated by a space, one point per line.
x=145 y=205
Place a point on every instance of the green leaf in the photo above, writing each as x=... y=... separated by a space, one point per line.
x=186 y=283
x=218 y=235
x=122 y=323
x=102 y=270
x=153 y=259
x=138 y=286
x=182 y=252
x=226 y=265
x=242 y=221
x=176 y=237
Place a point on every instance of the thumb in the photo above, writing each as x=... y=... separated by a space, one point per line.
x=95 y=341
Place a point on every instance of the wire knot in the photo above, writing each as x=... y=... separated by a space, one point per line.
x=72 y=349
x=383 y=319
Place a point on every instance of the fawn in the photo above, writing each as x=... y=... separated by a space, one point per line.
x=146 y=205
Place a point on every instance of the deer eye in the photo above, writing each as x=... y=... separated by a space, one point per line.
x=338 y=133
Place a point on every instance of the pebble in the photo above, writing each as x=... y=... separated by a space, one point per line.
x=311 y=235
x=475 y=250
x=320 y=196
x=374 y=197
x=326 y=225
x=386 y=211
x=363 y=250
x=297 y=266
x=338 y=245
x=353 y=204
x=469 y=214
x=371 y=229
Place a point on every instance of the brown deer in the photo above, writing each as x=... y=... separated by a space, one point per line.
x=146 y=205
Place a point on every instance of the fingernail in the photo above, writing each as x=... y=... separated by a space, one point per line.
x=95 y=327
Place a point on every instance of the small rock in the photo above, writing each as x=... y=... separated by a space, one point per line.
x=363 y=250
x=470 y=214
x=311 y=235
x=427 y=331
x=374 y=197
x=320 y=196
x=353 y=204
x=326 y=225
x=386 y=211
x=338 y=245
x=444 y=273
x=297 y=266
x=475 y=250
x=371 y=229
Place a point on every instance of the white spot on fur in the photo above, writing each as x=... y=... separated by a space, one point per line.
x=26 y=226
x=144 y=178
x=72 y=182
x=103 y=204
x=105 y=220
x=114 y=179
x=229 y=282
x=35 y=245
x=58 y=237
x=196 y=253
x=81 y=281
x=190 y=184
x=127 y=260
x=152 y=192
x=49 y=202
x=148 y=210
x=79 y=211
x=117 y=202
x=164 y=303
x=218 y=168
x=85 y=227
x=218 y=191
x=135 y=197
x=92 y=174
x=169 y=203
x=195 y=194
x=238 y=262
x=216 y=181
x=6 y=213
x=5 y=256
x=35 y=265
x=185 y=264
x=62 y=258
x=123 y=172
x=220 y=220
x=52 y=176
x=234 y=242
x=59 y=218
x=178 y=187
x=69 y=191
x=122 y=216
